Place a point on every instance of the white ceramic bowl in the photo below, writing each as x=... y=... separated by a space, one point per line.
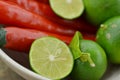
x=19 y=63
x=10 y=58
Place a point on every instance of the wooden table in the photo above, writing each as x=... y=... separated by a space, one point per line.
x=7 y=74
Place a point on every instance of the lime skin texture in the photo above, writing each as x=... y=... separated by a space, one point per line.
x=108 y=36
x=83 y=70
x=98 y=11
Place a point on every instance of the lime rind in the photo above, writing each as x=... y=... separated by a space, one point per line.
x=76 y=49
x=51 y=58
x=75 y=45
x=67 y=9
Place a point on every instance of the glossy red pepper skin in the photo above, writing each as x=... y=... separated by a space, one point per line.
x=89 y=36
x=12 y=14
x=46 y=11
x=44 y=1
x=21 y=39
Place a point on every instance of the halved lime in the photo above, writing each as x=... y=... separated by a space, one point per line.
x=51 y=58
x=68 y=9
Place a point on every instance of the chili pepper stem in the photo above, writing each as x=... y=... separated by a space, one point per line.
x=2 y=37
x=86 y=57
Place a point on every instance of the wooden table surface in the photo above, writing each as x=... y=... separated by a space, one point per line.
x=7 y=74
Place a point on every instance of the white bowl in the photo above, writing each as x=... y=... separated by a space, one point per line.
x=7 y=57
x=19 y=63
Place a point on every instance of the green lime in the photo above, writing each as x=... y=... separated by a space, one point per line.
x=90 y=59
x=68 y=9
x=51 y=58
x=98 y=11
x=82 y=70
x=108 y=36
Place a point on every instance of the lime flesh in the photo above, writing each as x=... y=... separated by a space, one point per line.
x=68 y=9
x=51 y=58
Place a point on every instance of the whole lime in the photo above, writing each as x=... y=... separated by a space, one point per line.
x=97 y=11
x=83 y=70
x=108 y=36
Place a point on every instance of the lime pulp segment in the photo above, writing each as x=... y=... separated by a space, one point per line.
x=68 y=9
x=51 y=58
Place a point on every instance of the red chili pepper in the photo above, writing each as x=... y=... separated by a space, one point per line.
x=89 y=36
x=12 y=14
x=21 y=39
x=44 y=1
x=46 y=11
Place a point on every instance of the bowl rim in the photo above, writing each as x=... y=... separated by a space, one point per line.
x=19 y=69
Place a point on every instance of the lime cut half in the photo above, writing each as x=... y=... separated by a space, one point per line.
x=51 y=58
x=68 y=9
